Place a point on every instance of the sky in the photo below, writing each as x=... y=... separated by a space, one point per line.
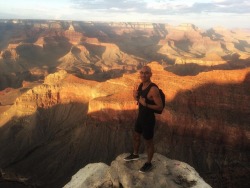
x=202 y=13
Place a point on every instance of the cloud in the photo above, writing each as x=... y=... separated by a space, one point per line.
x=108 y=4
x=226 y=6
x=221 y=6
x=165 y=7
x=205 y=13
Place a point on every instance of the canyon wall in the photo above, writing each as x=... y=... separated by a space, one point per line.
x=68 y=122
x=102 y=51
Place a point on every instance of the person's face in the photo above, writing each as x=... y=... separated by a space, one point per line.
x=145 y=74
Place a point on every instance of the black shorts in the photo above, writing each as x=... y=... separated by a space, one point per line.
x=145 y=126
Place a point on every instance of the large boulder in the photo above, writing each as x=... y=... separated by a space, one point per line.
x=165 y=173
x=92 y=175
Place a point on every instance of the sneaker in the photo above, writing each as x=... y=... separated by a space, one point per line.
x=146 y=167
x=131 y=157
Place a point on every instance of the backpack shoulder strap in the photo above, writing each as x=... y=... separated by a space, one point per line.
x=153 y=84
x=150 y=85
x=139 y=87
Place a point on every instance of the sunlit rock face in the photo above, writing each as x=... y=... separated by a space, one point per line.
x=10 y=53
x=73 y=36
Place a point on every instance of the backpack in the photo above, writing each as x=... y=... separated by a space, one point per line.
x=161 y=94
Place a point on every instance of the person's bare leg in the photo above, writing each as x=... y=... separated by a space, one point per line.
x=150 y=149
x=136 y=142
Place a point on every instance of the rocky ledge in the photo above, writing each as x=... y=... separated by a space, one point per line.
x=121 y=174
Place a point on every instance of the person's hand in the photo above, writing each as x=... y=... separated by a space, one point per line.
x=142 y=100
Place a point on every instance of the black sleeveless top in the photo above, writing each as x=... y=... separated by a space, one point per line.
x=143 y=110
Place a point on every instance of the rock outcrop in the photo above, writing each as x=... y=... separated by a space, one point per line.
x=73 y=36
x=165 y=173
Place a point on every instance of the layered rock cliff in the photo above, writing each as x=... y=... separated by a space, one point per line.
x=68 y=122
x=97 y=51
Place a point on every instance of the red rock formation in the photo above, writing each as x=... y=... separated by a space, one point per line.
x=40 y=42
x=10 y=53
x=73 y=36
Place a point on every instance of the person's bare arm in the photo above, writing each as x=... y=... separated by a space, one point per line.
x=155 y=94
x=135 y=95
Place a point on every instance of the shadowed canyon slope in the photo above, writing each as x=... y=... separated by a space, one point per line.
x=65 y=98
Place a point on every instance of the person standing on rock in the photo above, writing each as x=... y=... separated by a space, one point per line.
x=149 y=99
